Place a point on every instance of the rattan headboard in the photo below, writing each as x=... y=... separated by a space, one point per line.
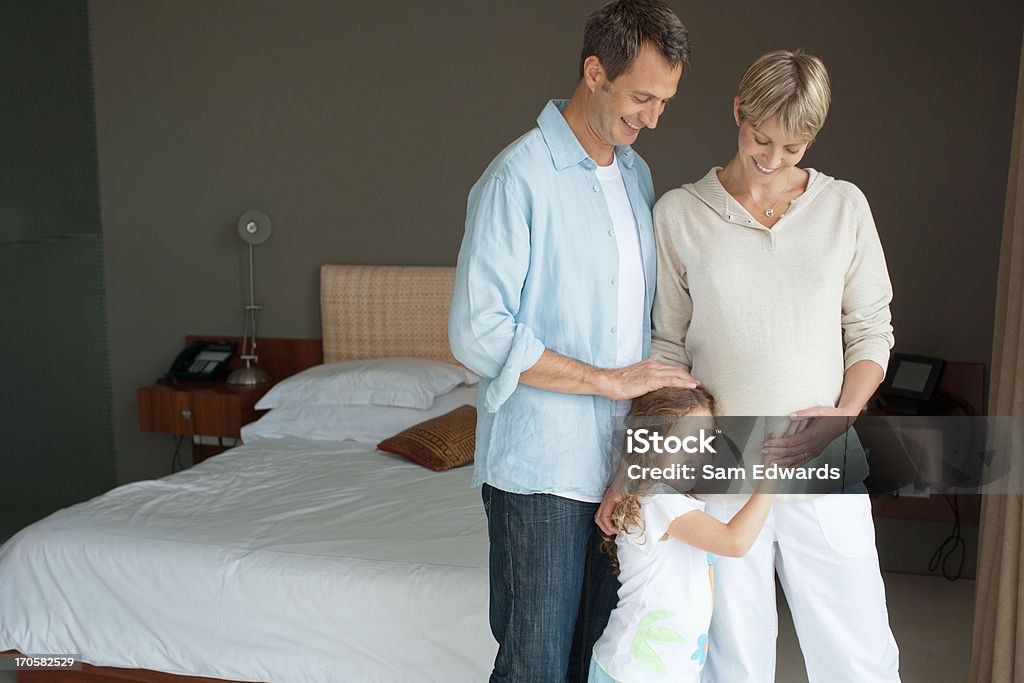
x=381 y=311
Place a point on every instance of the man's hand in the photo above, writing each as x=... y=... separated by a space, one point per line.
x=640 y=378
x=810 y=431
x=603 y=516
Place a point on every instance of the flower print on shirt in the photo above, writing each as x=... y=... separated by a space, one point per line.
x=701 y=653
x=648 y=632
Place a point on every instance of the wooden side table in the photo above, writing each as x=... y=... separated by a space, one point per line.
x=214 y=409
x=964 y=382
x=219 y=409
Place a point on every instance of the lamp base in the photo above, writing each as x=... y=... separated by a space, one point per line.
x=249 y=376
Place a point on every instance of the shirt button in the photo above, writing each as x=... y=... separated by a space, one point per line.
x=613 y=282
x=611 y=233
x=597 y=188
x=613 y=330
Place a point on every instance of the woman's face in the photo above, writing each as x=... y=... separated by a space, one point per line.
x=765 y=152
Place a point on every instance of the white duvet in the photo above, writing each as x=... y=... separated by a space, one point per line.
x=280 y=561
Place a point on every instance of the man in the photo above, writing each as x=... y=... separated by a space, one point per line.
x=551 y=307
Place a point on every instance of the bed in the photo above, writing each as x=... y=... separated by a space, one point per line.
x=280 y=560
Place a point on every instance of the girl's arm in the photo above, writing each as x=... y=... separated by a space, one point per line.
x=732 y=539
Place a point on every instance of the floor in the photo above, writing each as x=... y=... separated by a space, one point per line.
x=930 y=617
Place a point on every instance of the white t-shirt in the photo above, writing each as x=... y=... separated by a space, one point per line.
x=659 y=629
x=629 y=281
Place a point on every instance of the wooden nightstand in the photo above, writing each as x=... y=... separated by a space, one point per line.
x=213 y=409
x=219 y=409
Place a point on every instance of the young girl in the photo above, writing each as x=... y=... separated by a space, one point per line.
x=658 y=631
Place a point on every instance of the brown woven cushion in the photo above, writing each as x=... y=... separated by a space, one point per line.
x=439 y=443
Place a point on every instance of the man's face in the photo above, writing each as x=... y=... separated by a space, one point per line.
x=635 y=100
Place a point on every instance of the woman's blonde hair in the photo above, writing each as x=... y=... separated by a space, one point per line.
x=790 y=83
x=670 y=402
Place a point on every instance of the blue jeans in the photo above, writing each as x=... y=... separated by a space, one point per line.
x=550 y=590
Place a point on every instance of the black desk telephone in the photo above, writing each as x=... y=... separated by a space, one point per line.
x=909 y=387
x=202 y=360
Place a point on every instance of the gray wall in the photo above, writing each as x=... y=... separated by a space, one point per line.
x=360 y=126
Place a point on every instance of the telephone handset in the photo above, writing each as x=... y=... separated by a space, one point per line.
x=202 y=360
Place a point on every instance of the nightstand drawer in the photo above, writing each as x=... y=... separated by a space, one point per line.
x=198 y=409
x=217 y=414
x=171 y=412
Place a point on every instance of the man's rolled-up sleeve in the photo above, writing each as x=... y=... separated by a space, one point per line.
x=483 y=326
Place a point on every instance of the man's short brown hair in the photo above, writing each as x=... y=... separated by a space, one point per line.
x=616 y=33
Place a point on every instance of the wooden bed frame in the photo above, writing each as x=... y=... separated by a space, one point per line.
x=366 y=312
x=109 y=674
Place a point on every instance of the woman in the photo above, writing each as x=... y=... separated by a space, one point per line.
x=773 y=291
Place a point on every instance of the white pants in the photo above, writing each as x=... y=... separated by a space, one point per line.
x=824 y=552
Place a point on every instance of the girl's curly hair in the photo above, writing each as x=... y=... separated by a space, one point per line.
x=666 y=402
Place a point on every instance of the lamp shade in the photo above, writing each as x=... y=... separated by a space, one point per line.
x=254 y=227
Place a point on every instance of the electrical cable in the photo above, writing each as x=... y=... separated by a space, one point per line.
x=176 y=458
x=942 y=555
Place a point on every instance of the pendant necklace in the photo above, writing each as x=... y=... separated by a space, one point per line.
x=771 y=212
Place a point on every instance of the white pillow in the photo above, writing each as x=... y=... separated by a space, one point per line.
x=404 y=382
x=366 y=424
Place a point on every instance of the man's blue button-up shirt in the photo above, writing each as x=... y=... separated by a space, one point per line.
x=537 y=270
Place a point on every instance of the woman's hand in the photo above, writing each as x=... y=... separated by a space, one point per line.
x=810 y=431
